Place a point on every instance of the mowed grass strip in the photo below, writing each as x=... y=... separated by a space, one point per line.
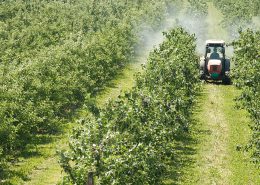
x=219 y=133
x=243 y=171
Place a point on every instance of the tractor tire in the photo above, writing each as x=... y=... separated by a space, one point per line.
x=202 y=76
x=226 y=80
x=202 y=69
x=227 y=64
x=202 y=64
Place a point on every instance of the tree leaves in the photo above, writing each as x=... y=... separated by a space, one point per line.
x=247 y=78
x=133 y=135
x=55 y=53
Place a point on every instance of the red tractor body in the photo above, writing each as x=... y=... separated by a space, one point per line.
x=214 y=65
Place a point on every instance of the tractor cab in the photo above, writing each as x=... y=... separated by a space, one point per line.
x=215 y=50
x=214 y=65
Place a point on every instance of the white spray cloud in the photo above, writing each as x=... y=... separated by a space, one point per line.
x=193 y=22
x=150 y=38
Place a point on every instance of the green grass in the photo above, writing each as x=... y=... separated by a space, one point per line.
x=213 y=152
x=210 y=154
x=243 y=172
x=210 y=133
x=124 y=81
x=38 y=165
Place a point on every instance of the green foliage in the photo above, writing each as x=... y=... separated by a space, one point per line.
x=130 y=140
x=247 y=78
x=198 y=8
x=55 y=54
x=238 y=13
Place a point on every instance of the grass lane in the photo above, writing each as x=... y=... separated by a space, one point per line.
x=213 y=154
x=124 y=81
x=219 y=130
x=218 y=134
x=243 y=172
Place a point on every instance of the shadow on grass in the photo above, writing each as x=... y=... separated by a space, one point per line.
x=9 y=174
x=218 y=82
x=112 y=83
x=35 y=148
x=186 y=148
x=14 y=168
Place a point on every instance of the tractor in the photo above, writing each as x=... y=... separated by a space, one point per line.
x=214 y=65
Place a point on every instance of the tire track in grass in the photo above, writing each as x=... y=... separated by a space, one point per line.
x=214 y=156
x=220 y=130
x=213 y=153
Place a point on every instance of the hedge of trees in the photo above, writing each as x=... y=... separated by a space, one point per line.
x=130 y=140
x=247 y=78
x=55 y=54
x=238 y=13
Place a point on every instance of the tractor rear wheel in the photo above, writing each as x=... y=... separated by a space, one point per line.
x=227 y=64
x=226 y=80
x=202 y=69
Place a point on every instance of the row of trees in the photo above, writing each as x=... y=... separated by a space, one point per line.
x=198 y=7
x=55 y=54
x=247 y=78
x=238 y=13
x=130 y=140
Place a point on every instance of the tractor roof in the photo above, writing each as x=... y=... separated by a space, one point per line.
x=221 y=42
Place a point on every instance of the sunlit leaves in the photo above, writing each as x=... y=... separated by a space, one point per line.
x=55 y=53
x=247 y=78
x=131 y=139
